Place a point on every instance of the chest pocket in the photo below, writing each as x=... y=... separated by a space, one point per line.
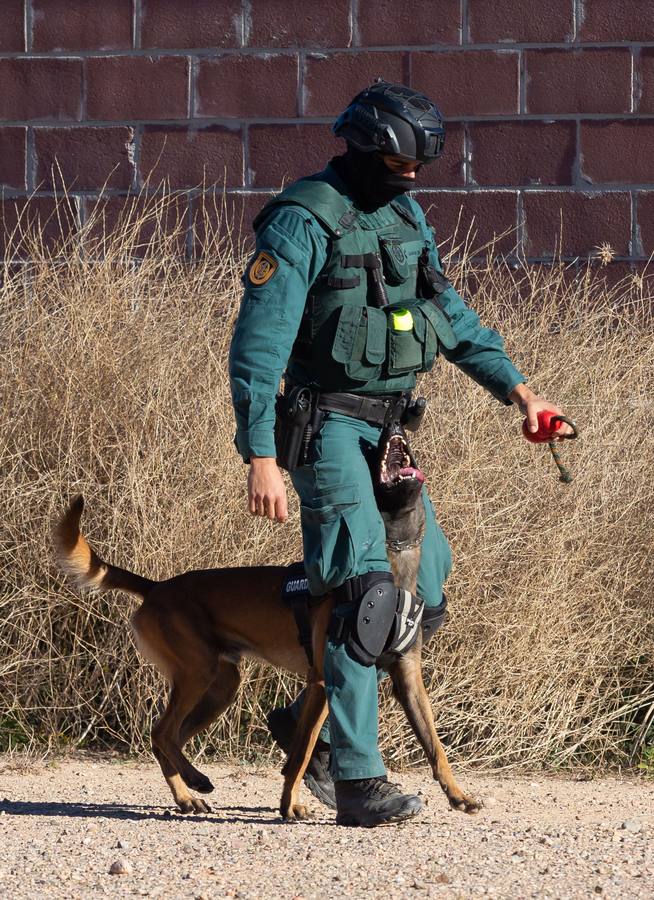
x=395 y=262
x=360 y=342
x=415 y=333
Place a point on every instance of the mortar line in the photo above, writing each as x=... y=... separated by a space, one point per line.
x=30 y=160
x=356 y=37
x=137 y=137
x=465 y=24
x=299 y=90
x=29 y=26
x=233 y=123
x=331 y=51
x=136 y=24
x=246 y=179
x=578 y=15
x=189 y=88
x=522 y=83
x=246 y=21
x=521 y=235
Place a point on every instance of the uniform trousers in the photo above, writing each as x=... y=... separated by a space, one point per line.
x=343 y=535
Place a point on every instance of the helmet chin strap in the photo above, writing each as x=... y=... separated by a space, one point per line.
x=370 y=180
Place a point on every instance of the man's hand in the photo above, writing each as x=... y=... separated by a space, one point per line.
x=266 y=489
x=531 y=404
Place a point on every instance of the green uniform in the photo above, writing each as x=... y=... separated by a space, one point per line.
x=309 y=310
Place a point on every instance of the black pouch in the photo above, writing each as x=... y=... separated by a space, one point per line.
x=395 y=263
x=293 y=412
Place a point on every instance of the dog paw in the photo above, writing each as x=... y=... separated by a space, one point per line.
x=193 y=805
x=295 y=813
x=465 y=804
x=200 y=783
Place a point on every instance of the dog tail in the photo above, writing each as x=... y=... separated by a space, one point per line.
x=79 y=559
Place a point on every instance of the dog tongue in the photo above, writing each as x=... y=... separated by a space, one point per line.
x=410 y=472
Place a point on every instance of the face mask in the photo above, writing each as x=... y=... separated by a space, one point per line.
x=370 y=180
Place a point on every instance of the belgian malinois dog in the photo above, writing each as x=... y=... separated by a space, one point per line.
x=196 y=627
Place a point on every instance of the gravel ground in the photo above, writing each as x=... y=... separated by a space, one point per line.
x=64 y=823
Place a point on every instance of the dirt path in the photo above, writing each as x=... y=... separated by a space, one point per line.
x=63 y=824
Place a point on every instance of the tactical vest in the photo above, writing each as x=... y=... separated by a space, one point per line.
x=346 y=340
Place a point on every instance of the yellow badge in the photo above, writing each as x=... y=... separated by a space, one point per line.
x=263 y=268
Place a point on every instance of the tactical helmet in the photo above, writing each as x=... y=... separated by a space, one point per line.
x=393 y=119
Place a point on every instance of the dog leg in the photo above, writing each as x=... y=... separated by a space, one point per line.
x=185 y=801
x=187 y=691
x=214 y=702
x=409 y=689
x=314 y=713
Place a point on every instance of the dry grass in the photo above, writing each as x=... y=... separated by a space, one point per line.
x=114 y=384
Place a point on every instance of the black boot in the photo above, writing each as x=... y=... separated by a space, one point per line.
x=281 y=724
x=373 y=801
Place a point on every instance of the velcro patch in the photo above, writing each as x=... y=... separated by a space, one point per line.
x=263 y=268
x=296 y=583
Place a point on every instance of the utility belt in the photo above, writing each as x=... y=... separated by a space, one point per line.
x=300 y=411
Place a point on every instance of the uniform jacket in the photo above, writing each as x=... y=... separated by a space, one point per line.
x=310 y=307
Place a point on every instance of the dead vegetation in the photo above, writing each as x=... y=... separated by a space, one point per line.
x=114 y=384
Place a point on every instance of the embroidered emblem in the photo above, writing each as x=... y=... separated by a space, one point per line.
x=263 y=268
x=398 y=253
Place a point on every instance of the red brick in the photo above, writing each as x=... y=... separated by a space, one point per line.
x=586 y=221
x=472 y=82
x=578 y=81
x=137 y=87
x=225 y=220
x=447 y=170
x=12 y=26
x=189 y=157
x=193 y=23
x=606 y=20
x=506 y=21
x=83 y=158
x=621 y=152
x=12 y=157
x=134 y=221
x=645 y=81
x=477 y=217
x=48 y=220
x=645 y=220
x=35 y=88
x=80 y=25
x=282 y=153
x=387 y=22
x=332 y=80
x=243 y=86
x=522 y=153
x=299 y=23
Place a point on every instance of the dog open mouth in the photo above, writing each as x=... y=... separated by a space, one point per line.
x=397 y=463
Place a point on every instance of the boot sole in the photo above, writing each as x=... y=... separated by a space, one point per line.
x=353 y=822
x=318 y=792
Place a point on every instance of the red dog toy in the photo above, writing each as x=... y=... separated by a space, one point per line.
x=548 y=423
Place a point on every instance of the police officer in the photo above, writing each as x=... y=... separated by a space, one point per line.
x=345 y=294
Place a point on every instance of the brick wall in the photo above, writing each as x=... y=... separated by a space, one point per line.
x=549 y=104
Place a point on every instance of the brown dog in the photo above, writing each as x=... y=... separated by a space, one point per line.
x=196 y=627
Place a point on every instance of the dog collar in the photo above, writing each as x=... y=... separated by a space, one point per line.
x=399 y=546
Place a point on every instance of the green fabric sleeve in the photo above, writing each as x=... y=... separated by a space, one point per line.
x=479 y=351
x=269 y=319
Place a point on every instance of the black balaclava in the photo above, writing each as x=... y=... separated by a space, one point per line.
x=369 y=180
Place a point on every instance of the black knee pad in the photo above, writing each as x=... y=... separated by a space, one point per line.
x=373 y=617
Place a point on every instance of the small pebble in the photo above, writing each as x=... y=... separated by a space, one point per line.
x=120 y=867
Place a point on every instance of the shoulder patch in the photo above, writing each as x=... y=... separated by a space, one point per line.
x=263 y=268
